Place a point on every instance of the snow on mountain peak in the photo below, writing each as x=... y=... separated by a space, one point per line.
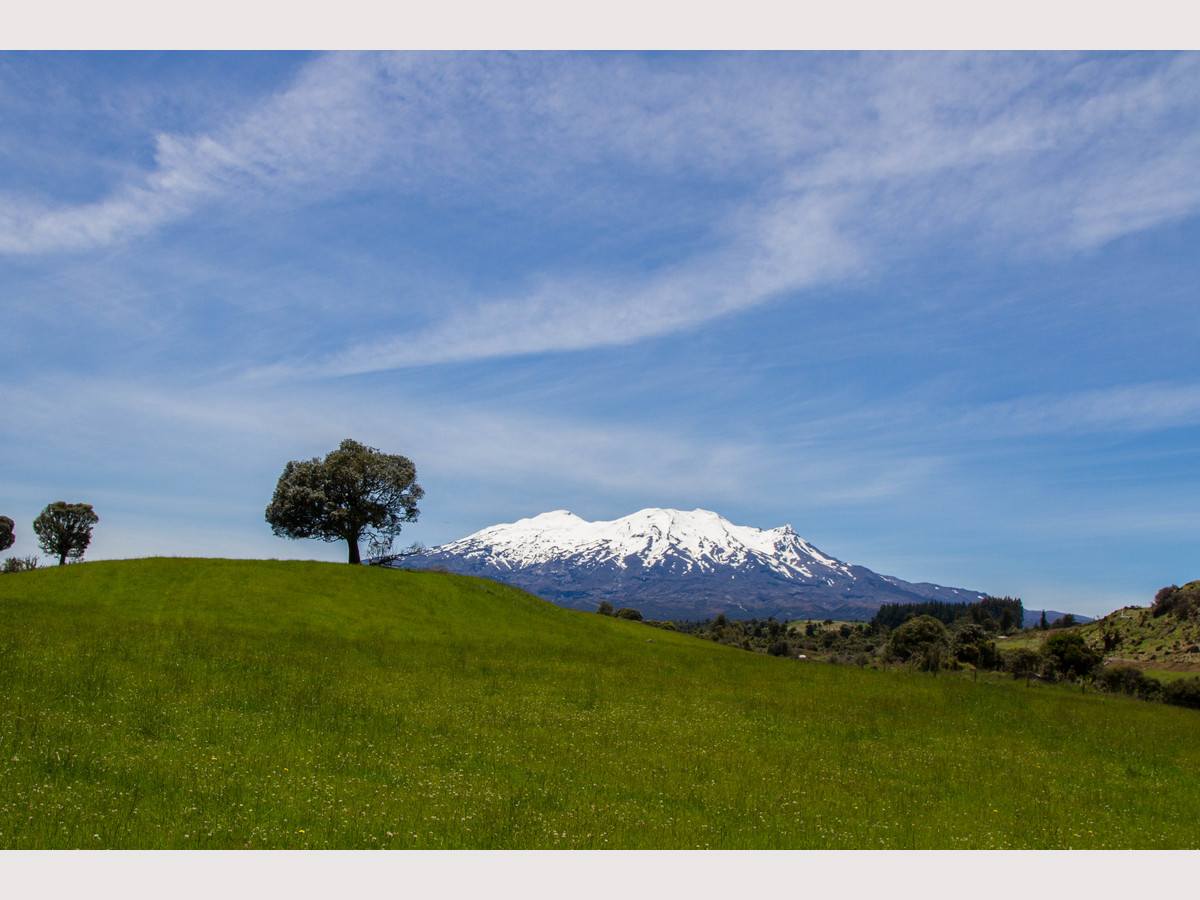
x=699 y=539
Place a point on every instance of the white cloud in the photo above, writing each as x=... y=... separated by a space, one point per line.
x=790 y=244
x=1144 y=407
x=322 y=129
x=817 y=166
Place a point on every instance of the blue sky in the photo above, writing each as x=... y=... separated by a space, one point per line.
x=936 y=311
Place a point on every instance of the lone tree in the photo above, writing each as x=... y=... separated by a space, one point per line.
x=6 y=532
x=65 y=529
x=354 y=492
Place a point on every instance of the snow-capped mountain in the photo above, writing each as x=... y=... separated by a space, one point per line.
x=676 y=565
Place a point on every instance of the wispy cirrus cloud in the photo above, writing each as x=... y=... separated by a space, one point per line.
x=809 y=169
x=1125 y=408
x=316 y=131
x=824 y=121
x=791 y=245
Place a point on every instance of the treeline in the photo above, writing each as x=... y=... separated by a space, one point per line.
x=760 y=635
x=1002 y=614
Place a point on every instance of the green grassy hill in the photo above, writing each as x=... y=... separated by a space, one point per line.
x=227 y=704
x=1166 y=646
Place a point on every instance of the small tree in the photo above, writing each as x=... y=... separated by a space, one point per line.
x=354 y=492
x=16 y=564
x=1164 y=600
x=1181 y=602
x=605 y=608
x=966 y=643
x=1070 y=655
x=1126 y=679
x=7 y=538
x=922 y=639
x=65 y=529
x=1023 y=662
x=628 y=612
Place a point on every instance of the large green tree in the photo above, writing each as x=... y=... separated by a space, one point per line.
x=355 y=492
x=6 y=532
x=65 y=529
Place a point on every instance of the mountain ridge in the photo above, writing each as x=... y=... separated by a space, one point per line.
x=670 y=563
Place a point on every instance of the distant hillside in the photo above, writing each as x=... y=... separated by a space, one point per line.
x=1034 y=617
x=171 y=703
x=1163 y=636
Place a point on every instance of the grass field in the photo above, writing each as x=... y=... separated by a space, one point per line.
x=228 y=704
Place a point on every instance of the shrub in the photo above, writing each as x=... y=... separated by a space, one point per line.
x=17 y=564
x=1022 y=662
x=605 y=608
x=1164 y=600
x=966 y=644
x=1185 y=692
x=780 y=648
x=920 y=637
x=1129 y=680
x=1178 y=601
x=1070 y=655
x=989 y=656
x=628 y=612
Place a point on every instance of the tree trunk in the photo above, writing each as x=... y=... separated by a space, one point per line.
x=354 y=559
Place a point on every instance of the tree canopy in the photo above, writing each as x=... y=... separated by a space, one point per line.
x=1070 y=655
x=65 y=529
x=1181 y=602
x=6 y=532
x=923 y=638
x=354 y=492
x=1005 y=614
